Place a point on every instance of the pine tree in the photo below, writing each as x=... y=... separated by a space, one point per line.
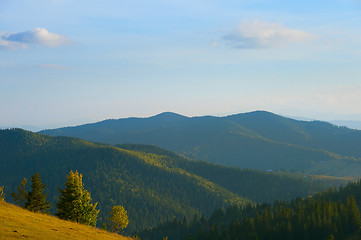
x=75 y=202
x=36 y=198
x=353 y=213
x=21 y=196
x=118 y=218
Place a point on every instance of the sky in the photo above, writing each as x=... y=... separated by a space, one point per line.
x=67 y=62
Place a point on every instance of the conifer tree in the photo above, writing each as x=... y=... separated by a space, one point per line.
x=353 y=213
x=36 y=198
x=21 y=196
x=75 y=202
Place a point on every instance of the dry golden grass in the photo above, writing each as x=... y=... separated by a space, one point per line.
x=17 y=223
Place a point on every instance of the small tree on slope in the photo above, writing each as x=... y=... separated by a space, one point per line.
x=36 y=198
x=118 y=218
x=21 y=196
x=2 y=194
x=75 y=202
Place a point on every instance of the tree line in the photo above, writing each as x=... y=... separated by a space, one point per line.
x=75 y=202
x=333 y=214
x=299 y=220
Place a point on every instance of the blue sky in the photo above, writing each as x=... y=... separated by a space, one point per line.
x=65 y=62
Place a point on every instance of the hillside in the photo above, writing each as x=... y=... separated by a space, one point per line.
x=256 y=185
x=333 y=212
x=150 y=191
x=257 y=140
x=17 y=223
x=154 y=185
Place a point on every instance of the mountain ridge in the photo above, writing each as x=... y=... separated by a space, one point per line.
x=260 y=140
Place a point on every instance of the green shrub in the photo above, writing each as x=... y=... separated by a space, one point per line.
x=2 y=194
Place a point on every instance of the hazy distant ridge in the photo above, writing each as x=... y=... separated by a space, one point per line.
x=260 y=140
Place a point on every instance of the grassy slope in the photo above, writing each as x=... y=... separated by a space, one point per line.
x=17 y=223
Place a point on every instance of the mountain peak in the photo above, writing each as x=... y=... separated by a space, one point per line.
x=169 y=115
x=259 y=114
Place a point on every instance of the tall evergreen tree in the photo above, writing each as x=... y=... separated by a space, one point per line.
x=36 y=198
x=353 y=213
x=75 y=202
x=21 y=196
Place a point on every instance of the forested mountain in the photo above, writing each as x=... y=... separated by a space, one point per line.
x=153 y=185
x=328 y=215
x=255 y=185
x=150 y=191
x=257 y=140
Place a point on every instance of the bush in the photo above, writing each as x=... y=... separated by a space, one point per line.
x=2 y=194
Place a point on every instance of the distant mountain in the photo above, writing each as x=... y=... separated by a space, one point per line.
x=259 y=140
x=154 y=185
x=350 y=124
x=26 y=127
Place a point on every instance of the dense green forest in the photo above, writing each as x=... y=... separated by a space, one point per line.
x=152 y=184
x=329 y=215
x=259 y=186
x=334 y=194
x=256 y=140
x=149 y=190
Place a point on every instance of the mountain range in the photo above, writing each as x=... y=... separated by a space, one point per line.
x=258 y=140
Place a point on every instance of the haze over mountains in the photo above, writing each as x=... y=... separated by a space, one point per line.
x=258 y=140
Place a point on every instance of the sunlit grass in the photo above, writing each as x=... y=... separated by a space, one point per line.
x=17 y=223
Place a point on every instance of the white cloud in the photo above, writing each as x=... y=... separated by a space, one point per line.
x=39 y=36
x=258 y=34
x=10 y=45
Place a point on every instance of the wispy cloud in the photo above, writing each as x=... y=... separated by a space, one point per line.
x=258 y=34
x=39 y=36
x=4 y=44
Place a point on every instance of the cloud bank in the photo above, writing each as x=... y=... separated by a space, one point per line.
x=39 y=36
x=258 y=34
